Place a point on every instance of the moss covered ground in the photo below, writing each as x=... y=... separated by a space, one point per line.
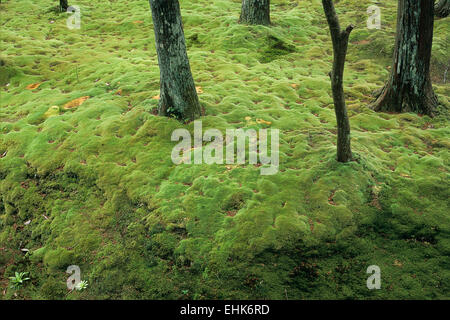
x=93 y=184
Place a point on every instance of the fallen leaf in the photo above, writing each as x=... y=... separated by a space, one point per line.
x=27 y=222
x=199 y=89
x=119 y=92
x=52 y=111
x=398 y=263
x=75 y=103
x=138 y=22
x=33 y=86
x=248 y=118
x=157 y=97
x=294 y=85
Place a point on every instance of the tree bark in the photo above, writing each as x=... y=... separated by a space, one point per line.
x=255 y=12
x=409 y=86
x=178 y=97
x=63 y=5
x=340 y=45
x=442 y=8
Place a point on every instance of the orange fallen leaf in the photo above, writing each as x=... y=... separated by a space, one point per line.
x=75 y=103
x=119 y=92
x=33 y=86
x=157 y=97
x=199 y=89
x=294 y=85
x=138 y=21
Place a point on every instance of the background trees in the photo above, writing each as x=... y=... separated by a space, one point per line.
x=255 y=12
x=178 y=95
x=340 y=44
x=409 y=86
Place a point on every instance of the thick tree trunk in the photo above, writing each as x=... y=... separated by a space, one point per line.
x=340 y=45
x=442 y=8
x=409 y=86
x=63 y=5
x=255 y=12
x=178 y=95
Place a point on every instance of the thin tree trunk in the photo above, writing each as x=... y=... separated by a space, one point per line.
x=340 y=45
x=255 y=12
x=442 y=8
x=409 y=86
x=63 y=5
x=178 y=95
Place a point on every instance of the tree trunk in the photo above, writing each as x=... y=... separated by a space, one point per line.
x=178 y=97
x=63 y=5
x=255 y=12
x=340 y=44
x=409 y=86
x=442 y=8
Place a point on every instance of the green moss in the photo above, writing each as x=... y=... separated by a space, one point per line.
x=6 y=73
x=275 y=49
x=38 y=255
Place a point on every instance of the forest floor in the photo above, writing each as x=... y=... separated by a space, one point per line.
x=90 y=181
